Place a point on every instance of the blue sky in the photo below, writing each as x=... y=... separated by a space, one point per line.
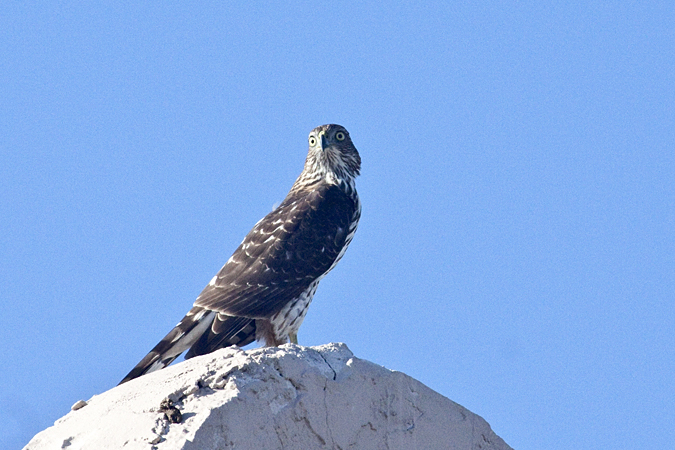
x=516 y=251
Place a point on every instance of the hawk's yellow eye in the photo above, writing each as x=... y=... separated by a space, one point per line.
x=312 y=141
x=340 y=136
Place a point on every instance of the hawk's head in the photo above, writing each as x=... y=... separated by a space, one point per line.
x=332 y=155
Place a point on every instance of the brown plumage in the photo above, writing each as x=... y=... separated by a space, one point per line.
x=263 y=291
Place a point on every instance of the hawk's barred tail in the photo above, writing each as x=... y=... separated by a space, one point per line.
x=186 y=333
x=202 y=331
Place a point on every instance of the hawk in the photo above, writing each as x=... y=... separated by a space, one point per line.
x=263 y=291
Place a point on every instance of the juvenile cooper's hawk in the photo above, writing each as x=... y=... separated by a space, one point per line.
x=263 y=291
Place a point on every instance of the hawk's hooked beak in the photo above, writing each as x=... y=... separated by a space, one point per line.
x=324 y=141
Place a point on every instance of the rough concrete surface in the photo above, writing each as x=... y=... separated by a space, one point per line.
x=290 y=397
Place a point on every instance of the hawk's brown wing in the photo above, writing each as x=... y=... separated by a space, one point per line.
x=284 y=253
